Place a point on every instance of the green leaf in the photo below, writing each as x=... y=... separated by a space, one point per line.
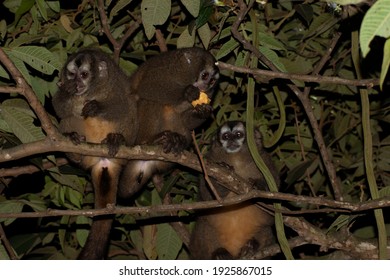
x=3 y=29
x=347 y=2
x=149 y=242
x=136 y=238
x=42 y=8
x=118 y=7
x=19 y=64
x=3 y=253
x=82 y=234
x=154 y=12
x=205 y=35
x=385 y=62
x=54 y=5
x=192 y=6
x=37 y=57
x=376 y=22
x=21 y=123
x=341 y=221
x=10 y=206
x=168 y=242
x=186 y=39
x=19 y=7
x=227 y=48
x=205 y=11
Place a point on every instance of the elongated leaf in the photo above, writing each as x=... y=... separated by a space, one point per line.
x=119 y=6
x=168 y=242
x=82 y=233
x=19 y=64
x=37 y=57
x=10 y=207
x=3 y=73
x=227 y=48
x=192 y=6
x=272 y=56
x=385 y=62
x=205 y=35
x=3 y=253
x=42 y=8
x=21 y=124
x=376 y=22
x=154 y=12
x=186 y=39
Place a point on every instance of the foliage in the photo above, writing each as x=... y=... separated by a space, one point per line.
x=294 y=35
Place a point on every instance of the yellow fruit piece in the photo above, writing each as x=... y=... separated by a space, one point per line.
x=203 y=99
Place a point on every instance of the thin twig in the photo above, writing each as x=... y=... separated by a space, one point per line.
x=204 y=169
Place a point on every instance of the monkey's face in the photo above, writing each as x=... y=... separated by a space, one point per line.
x=232 y=136
x=80 y=72
x=207 y=78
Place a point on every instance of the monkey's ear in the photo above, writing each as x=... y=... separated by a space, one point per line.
x=103 y=69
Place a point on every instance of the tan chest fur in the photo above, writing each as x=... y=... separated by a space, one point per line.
x=235 y=225
x=96 y=130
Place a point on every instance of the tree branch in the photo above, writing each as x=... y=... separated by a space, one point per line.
x=305 y=78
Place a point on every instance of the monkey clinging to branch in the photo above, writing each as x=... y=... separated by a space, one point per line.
x=95 y=105
x=236 y=231
x=175 y=89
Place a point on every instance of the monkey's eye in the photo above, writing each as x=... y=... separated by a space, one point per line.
x=239 y=134
x=84 y=75
x=225 y=136
x=204 y=75
x=70 y=75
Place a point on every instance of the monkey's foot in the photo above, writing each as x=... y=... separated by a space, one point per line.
x=221 y=254
x=249 y=249
x=91 y=109
x=113 y=141
x=75 y=137
x=171 y=142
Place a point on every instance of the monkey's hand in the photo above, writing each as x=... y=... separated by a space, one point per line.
x=224 y=164
x=75 y=137
x=202 y=111
x=191 y=93
x=171 y=142
x=91 y=109
x=113 y=141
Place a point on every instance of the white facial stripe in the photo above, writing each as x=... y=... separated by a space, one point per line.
x=85 y=67
x=239 y=127
x=224 y=129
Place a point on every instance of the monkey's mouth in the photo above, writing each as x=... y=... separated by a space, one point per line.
x=81 y=90
x=233 y=148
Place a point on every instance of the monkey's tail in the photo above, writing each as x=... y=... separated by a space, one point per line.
x=105 y=182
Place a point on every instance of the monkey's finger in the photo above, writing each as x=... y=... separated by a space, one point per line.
x=113 y=141
x=75 y=137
